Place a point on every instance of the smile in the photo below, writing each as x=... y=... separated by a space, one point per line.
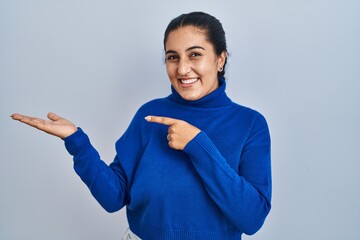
x=189 y=81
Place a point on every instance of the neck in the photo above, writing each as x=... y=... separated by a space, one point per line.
x=214 y=99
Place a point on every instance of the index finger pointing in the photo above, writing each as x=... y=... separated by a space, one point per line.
x=162 y=120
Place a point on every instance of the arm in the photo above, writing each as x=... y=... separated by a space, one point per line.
x=106 y=184
x=243 y=196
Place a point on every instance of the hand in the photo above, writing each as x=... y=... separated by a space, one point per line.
x=57 y=126
x=180 y=133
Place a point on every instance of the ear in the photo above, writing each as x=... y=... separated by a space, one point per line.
x=222 y=59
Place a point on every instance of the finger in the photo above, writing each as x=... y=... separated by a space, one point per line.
x=34 y=122
x=53 y=116
x=31 y=121
x=162 y=120
x=16 y=116
x=21 y=118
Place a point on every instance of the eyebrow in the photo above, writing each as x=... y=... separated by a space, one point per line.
x=189 y=49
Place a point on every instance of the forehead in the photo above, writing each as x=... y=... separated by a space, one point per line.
x=185 y=37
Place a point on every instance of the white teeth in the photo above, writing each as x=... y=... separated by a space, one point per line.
x=188 y=81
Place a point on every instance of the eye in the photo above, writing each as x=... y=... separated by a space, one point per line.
x=171 y=57
x=195 y=54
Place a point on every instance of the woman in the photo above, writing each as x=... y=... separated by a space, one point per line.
x=193 y=165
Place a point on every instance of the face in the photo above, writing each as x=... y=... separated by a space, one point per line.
x=191 y=63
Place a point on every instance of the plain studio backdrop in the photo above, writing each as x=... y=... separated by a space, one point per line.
x=97 y=62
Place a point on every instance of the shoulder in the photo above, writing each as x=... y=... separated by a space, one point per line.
x=158 y=102
x=138 y=125
x=151 y=107
x=247 y=112
x=249 y=121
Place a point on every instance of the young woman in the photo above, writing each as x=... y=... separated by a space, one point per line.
x=193 y=165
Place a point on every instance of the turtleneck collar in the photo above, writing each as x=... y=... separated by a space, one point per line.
x=215 y=99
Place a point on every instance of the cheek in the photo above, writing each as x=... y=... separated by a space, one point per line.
x=171 y=67
x=169 y=70
x=206 y=68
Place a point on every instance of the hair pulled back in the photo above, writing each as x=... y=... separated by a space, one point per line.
x=214 y=31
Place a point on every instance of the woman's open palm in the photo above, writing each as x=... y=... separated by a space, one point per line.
x=57 y=126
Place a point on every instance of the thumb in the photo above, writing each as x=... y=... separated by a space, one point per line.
x=53 y=116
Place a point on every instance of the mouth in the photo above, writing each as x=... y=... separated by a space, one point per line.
x=186 y=82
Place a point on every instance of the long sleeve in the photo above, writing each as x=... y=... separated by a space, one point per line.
x=242 y=194
x=107 y=184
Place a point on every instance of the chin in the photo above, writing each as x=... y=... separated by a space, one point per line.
x=190 y=97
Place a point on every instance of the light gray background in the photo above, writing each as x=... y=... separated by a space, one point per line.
x=96 y=62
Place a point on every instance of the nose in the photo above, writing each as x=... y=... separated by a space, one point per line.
x=184 y=67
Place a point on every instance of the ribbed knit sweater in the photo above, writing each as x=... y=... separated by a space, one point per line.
x=218 y=187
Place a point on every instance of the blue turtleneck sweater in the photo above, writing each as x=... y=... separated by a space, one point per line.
x=218 y=187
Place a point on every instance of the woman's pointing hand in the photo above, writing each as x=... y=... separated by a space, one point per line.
x=180 y=133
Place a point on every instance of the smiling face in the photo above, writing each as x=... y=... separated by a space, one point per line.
x=191 y=63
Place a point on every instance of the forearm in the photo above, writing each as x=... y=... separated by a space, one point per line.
x=104 y=183
x=240 y=201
